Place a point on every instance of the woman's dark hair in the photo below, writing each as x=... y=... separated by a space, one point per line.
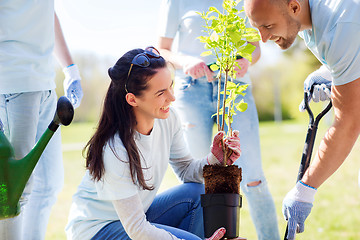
x=118 y=117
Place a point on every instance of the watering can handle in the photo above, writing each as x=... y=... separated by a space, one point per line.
x=64 y=113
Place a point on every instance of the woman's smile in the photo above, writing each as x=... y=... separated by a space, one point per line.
x=165 y=109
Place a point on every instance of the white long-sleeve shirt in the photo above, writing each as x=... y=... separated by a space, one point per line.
x=93 y=207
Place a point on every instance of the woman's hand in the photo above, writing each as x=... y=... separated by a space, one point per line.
x=197 y=68
x=218 y=234
x=244 y=65
x=232 y=145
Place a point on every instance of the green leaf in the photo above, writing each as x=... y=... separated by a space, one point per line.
x=207 y=53
x=203 y=39
x=231 y=85
x=241 y=106
x=214 y=9
x=214 y=67
x=214 y=37
x=240 y=89
x=235 y=36
x=212 y=18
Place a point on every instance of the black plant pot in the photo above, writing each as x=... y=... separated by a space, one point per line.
x=221 y=210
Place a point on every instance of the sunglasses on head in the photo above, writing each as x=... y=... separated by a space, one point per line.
x=142 y=60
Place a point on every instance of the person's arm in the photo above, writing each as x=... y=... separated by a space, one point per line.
x=341 y=136
x=195 y=67
x=61 y=50
x=332 y=152
x=72 y=85
x=192 y=66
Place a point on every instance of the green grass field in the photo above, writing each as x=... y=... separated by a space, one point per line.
x=337 y=203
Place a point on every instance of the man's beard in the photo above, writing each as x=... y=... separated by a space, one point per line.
x=294 y=27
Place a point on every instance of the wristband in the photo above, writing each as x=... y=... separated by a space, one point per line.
x=307 y=185
x=303 y=193
x=72 y=73
x=211 y=159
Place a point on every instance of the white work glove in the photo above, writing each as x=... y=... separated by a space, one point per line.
x=296 y=208
x=322 y=80
x=72 y=86
x=216 y=156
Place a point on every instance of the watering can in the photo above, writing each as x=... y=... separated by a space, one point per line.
x=14 y=173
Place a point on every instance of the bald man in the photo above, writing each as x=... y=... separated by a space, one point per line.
x=331 y=30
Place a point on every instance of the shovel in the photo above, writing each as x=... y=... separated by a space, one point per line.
x=310 y=139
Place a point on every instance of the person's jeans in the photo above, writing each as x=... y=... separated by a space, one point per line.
x=25 y=117
x=196 y=102
x=177 y=210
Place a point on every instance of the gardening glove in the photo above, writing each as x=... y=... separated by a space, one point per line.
x=321 y=79
x=218 y=234
x=72 y=86
x=216 y=155
x=297 y=205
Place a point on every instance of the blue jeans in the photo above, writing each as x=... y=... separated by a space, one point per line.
x=25 y=117
x=196 y=102
x=177 y=210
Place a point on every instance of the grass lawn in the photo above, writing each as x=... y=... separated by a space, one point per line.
x=337 y=203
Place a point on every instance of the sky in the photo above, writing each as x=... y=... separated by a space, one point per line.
x=108 y=27
x=112 y=27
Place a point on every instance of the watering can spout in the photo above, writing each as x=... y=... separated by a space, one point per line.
x=14 y=174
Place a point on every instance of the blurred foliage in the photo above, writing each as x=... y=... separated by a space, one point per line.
x=282 y=80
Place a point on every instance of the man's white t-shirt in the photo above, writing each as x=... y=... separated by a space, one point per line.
x=334 y=37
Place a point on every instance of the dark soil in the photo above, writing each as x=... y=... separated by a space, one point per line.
x=220 y=179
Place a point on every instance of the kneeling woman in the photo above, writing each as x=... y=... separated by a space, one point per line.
x=137 y=136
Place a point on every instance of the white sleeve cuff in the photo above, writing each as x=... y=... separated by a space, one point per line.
x=72 y=72
x=211 y=159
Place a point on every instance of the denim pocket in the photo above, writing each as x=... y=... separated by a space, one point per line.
x=11 y=96
x=46 y=95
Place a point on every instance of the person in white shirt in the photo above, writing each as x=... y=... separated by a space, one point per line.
x=30 y=33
